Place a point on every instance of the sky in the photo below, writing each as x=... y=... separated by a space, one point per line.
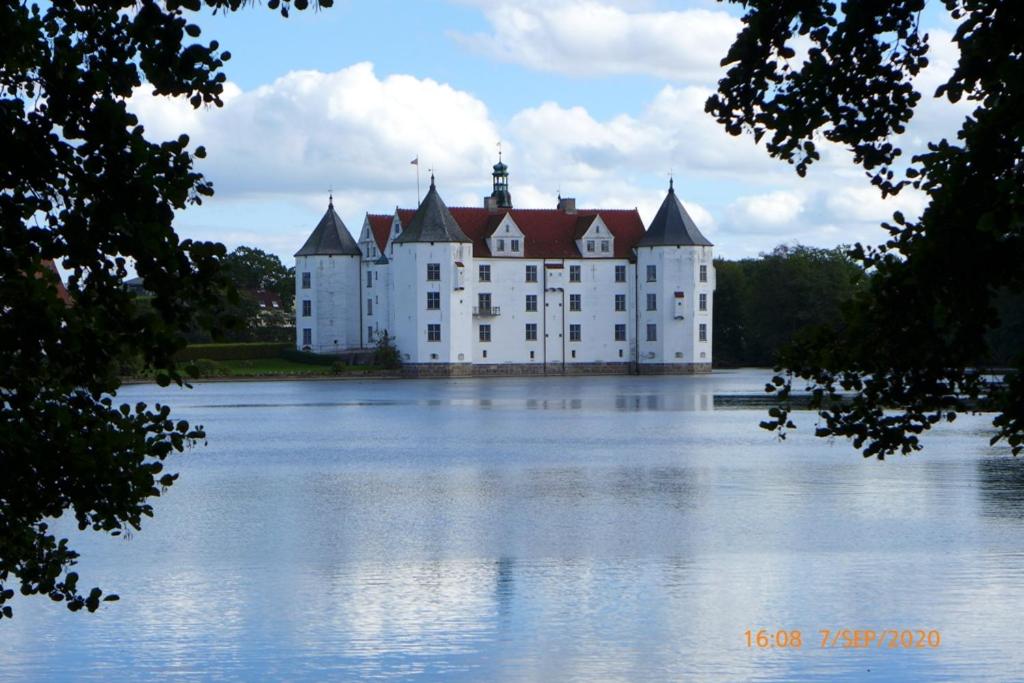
x=600 y=100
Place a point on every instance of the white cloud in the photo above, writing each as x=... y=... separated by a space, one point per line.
x=590 y=37
x=349 y=129
x=769 y=211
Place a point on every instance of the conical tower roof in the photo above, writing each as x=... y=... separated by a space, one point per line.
x=330 y=238
x=672 y=226
x=433 y=222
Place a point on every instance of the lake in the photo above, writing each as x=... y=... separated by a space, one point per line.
x=541 y=529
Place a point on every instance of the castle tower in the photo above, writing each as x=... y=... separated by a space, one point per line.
x=675 y=282
x=500 y=197
x=327 y=288
x=431 y=295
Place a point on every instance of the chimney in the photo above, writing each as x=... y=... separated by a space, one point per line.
x=567 y=204
x=491 y=203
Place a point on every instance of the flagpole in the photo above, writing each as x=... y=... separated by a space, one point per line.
x=416 y=162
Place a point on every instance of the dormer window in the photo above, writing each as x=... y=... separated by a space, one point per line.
x=590 y=246
x=501 y=243
x=515 y=245
x=604 y=246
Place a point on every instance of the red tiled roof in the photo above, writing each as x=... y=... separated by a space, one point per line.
x=62 y=292
x=380 y=226
x=548 y=233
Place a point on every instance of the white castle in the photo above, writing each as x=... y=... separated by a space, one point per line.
x=499 y=290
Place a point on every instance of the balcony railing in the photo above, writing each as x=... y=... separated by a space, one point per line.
x=484 y=311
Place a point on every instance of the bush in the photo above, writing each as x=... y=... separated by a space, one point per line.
x=232 y=351
x=386 y=356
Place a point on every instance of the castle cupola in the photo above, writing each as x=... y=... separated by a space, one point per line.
x=500 y=197
x=672 y=226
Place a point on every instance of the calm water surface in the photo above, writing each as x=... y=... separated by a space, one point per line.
x=563 y=529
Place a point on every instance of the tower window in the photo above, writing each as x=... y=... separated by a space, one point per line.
x=531 y=273
x=433 y=272
x=702 y=332
x=307 y=336
x=652 y=332
x=485 y=333
x=369 y=279
x=531 y=303
x=620 y=332
x=307 y=308
x=369 y=307
x=620 y=302
x=433 y=301
x=434 y=332
x=620 y=273
x=703 y=273
x=575 y=274
x=485 y=272
x=531 y=332
x=652 y=273
x=306 y=277
x=703 y=302
x=484 y=303
x=575 y=333
x=575 y=302
x=652 y=302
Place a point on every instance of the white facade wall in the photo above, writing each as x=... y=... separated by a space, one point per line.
x=409 y=316
x=334 y=314
x=678 y=319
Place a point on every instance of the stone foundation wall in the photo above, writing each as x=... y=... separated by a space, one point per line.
x=674 y=368
x=539 y=369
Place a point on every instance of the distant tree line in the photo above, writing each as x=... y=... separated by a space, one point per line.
x=761 y=304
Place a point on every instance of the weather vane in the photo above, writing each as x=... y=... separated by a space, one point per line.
x=499 y=150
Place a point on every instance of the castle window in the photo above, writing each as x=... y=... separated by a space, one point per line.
x=369 y=333
x=531 y=273
x=485 y=333
x=652 y=302
x=306 y=277
x=531 y=333
x=307 y=308
x=620 y=302
x=703 y=302
x=620 y=273
x=515 y=245
x=604 y=246
x=575 y=273
x=620 y=332
x=575 y=333
x=307 y=336
x=434 y=332
x=369 y=279
x=652 y=273
x=531 y=303
x=501 y=245
x=484 y=303
x=652 y=332
x=703 y=273
x=433 y=272
x=590 y=246
x=369 y=307
x=575 y=302
x=485 y=273
x=433 y=301
x=702 y=332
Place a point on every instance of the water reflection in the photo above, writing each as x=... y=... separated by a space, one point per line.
x=1001 y=485
x=577 y=529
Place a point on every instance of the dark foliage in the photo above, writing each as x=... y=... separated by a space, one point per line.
x=761 y=304
x=249 y=269
x=82 y=186
x=910 y=340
